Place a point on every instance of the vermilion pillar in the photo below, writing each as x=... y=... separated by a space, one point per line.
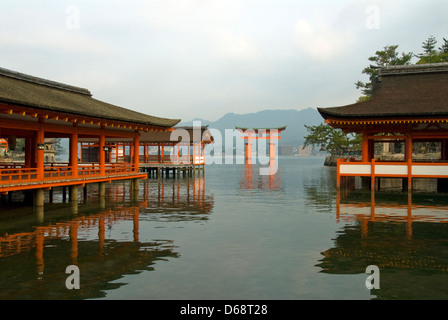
x=365 y=148
x=102 y=154
x=408 y=158
x=249 y=149
x=74 y=154
x=272 y=156
x=40 y=139
x=136 y=151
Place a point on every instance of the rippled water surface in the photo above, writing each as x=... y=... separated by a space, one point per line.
x=230 y=233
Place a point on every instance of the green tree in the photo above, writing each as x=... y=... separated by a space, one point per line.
x=444 y=47
x=430 y=54
x=443 y=51
x=331 y=140
x=389 y=56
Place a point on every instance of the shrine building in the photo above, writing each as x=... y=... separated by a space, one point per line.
x=34 y=109
x=404 y=126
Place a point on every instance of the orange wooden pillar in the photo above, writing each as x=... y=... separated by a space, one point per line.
x=272 y=155
x=365 y=148
x=249 y=149
x=136 y=151
x=73 y=159
x=39 y=196
x=102 y=154
x=40 y=139
x=408 y=158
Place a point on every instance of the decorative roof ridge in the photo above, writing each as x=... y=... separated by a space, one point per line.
x=414 y=69
x=43 y=82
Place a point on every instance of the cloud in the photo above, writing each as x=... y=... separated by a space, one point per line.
x=213 y=24
x=226 y=43
x=319 y=41
x=56 y=39
x=188 y=15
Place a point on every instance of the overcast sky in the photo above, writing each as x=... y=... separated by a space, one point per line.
x=189 y=59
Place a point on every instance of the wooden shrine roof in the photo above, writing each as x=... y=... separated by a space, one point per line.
x=401 y=92
x=29 y=91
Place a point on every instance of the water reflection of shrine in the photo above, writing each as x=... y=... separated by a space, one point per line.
x=33 y=258
x=178 y=199
x=402 y=234
x=251 y=178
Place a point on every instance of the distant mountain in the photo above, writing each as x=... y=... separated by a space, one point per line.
x=294 y=120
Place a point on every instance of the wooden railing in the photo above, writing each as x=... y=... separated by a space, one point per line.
x=167 y=159
x=155 y=159
x=58 y=172
x=404 y=169
x=92 y=169
x=120 y=168
x=12 y=175
x=16 y=173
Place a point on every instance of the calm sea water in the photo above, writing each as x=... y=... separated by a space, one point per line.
x=228 y=234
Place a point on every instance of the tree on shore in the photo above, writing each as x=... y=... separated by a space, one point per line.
x=431 y=54
x=382 y=58
x=331 y=140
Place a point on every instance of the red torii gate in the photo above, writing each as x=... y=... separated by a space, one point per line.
x=250 y=134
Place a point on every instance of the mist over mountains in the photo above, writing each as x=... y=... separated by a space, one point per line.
x=295 y=121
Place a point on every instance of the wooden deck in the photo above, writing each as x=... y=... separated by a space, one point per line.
x=14 y=177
